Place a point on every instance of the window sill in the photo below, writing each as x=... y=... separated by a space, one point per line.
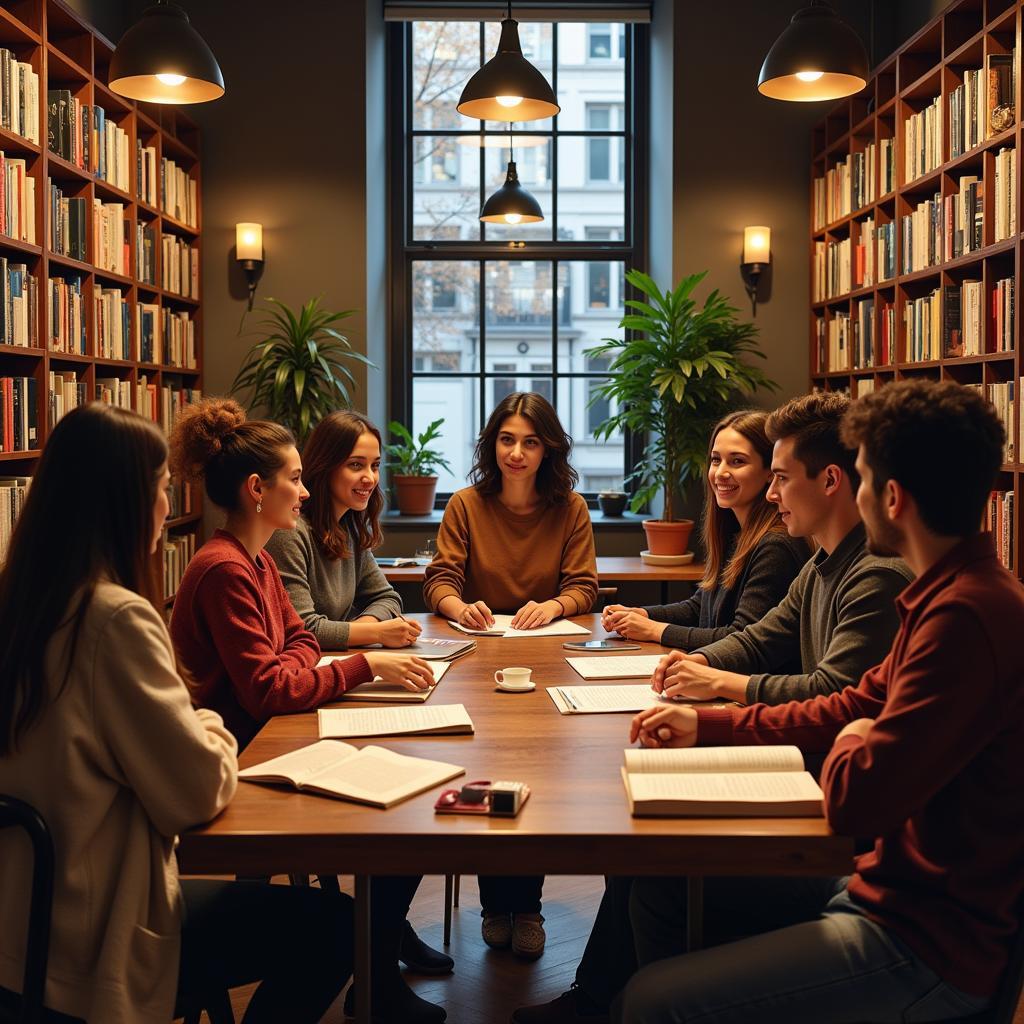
x=394 y=521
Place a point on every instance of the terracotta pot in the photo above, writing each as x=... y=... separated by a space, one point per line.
x=414 y=495
x=667 y=538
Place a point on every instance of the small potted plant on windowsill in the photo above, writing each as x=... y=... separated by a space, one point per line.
x=413 y=467
x=677 y=372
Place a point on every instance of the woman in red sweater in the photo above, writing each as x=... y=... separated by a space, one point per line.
x=238 y=634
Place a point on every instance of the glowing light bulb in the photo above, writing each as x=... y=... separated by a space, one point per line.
x=757 y=241
x=513 y=218
x=249 y=237
x=171 y=79
x=809 y=76
x=509 y=101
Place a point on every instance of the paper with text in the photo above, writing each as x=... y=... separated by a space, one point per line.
x=626 y=666
x=503 y=627
x=716 y=759
x=335 y=723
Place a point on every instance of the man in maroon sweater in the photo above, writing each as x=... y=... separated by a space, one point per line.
x=924 y=755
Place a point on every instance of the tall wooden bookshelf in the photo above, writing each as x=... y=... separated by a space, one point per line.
x=931 y=64
x=68 y=54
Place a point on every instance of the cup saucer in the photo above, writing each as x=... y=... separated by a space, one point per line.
x=508 y=688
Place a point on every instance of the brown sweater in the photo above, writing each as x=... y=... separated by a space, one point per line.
x=487 y=553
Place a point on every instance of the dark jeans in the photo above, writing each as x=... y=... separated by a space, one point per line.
x=510 y=894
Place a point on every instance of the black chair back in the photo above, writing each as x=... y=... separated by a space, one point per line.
x=16 y=813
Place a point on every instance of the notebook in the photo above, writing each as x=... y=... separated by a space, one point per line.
x=373 y=775
x=437 y=720
x=626 y=666
x=503 y=627
x=377 y=689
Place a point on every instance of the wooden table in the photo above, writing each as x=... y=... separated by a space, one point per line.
x=610 y=569
x=576 y=821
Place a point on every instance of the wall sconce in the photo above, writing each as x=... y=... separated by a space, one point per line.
x=757 y=257
x=249 y=253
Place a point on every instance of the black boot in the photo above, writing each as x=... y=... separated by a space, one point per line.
x=421 y=958
x=397 y=1004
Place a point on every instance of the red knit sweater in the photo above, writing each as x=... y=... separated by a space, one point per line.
x=938 y=780
x=237 y=633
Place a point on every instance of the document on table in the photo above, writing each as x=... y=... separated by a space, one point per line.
x=591 y=700
x=627 y=666
x=377 y=689
x=438 y=719
x=503 y=627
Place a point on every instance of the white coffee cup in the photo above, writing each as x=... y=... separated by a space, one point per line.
x=514 y=679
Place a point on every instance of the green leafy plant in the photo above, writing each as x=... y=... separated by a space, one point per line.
x=678 y=370
x=297 y=371
x=410 y=456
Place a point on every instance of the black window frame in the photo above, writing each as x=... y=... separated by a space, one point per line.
x=404 y=251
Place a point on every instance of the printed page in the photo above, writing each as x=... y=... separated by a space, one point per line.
x=336 y=723
x=377 y=775
x=299 y=765
x=377 y=689
x=582 y=700
x=716 y=759
x=503 y=627
x=736 y=787
x=627 y=666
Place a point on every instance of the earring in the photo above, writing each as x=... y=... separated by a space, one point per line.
x=259 y=506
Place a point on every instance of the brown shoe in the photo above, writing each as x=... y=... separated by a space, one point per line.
x=496 y=930
x=528 y=936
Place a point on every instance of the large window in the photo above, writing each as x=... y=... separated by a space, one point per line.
x=482 y=310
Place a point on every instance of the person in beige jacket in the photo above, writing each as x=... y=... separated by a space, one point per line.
x=98 y=733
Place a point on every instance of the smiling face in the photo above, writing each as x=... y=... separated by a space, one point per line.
x=736 y=474
x=518 y=450
x=354 y=480
x=802 y=500
x=282 y=498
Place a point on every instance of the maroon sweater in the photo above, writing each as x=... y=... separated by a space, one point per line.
x=938 y=781
x=237 y=633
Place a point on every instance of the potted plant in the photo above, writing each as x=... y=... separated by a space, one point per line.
x=678 y=370
x=297 y=372
x=412 y=464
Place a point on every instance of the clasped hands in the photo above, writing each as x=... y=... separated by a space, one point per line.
x=532 y=615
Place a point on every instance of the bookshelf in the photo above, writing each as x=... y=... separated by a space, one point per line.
x=123 y=323
x=921 y=279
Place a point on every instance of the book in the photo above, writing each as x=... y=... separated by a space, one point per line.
x=401 y=563
x=378 y=689
x=372 y=775
x=439 y=720
x=729 y=782
x=434 y=649
x=627 y=666
x=503 y=627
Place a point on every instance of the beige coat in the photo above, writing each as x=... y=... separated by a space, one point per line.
x=117 y=766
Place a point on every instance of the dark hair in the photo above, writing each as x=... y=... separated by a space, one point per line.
x=330 y=444
x=88 y=515
x=912 y=431
x=813 y=423
x=555 y=478
x=720 y=524
x=213 y=441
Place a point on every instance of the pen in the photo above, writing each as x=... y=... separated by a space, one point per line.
x=568 y=700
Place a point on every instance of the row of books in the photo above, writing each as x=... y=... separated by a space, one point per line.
x=180 y=267
x=178 y=194
x=963 y=318
x=922 y=139
x=833 y=268
x=1001 y=396
x=180 y=498
x=846 y=187
x=13 y=492
x=943 y=228
x=18 y=191
x=66 y=392
x=999 y=521
x=113 y=328
x=140 y=396
x=19 y=421
x=887 y=166
x=166 y=336
x=66 y=319
x=844 y=265
x=19 y=97
x=873 y=339
x=84 y=136
x=172 y=400
x=984 y=105
x=67 y=224
x=145 y=173
x=862 y=386
x=178 y=551
x=111 y=234
x=145 y=251
x=1005 y=220
x=922 y=320
x=19 y=305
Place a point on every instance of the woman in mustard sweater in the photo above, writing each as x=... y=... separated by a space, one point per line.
x=519 y=540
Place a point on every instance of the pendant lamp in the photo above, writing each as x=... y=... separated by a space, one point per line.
x=508 y=87
x=511 y=204
x=817 y=57
x=163 y=59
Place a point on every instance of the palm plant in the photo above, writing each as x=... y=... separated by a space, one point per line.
x=679 y=369
x=297 y=371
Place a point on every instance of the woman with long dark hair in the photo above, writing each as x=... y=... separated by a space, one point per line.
x=518 y=540
x=750 y=558
x=98 y=733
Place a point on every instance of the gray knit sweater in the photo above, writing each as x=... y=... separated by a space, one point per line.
x=329 y=593
x=838 y=618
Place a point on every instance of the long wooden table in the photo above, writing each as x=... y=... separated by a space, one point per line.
x=576 y=821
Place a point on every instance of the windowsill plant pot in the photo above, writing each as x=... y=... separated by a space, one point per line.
x=665 y=538
x=414 y=495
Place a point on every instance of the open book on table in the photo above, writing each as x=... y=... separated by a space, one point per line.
x=437 y=720
x=720 y=782
x=503 y=627
x=393 y=693
x=373 y=775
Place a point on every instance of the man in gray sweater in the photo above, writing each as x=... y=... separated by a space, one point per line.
x=838 y=617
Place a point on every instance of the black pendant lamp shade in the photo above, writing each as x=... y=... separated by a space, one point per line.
x=817 y=57
x=511 y=204
x=163 y=59
x=508 y=87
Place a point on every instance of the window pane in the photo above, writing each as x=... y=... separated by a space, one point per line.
x=444 y=56
x=599 y=117
x=457 y=400
x=583 y=78
x=445 y=329
x=519 y=300
x=599 y=42
x=533 y=166
x=445 y=189
x=581 y=325
x=583 y=200
x=535 y=39
x=599 y=463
